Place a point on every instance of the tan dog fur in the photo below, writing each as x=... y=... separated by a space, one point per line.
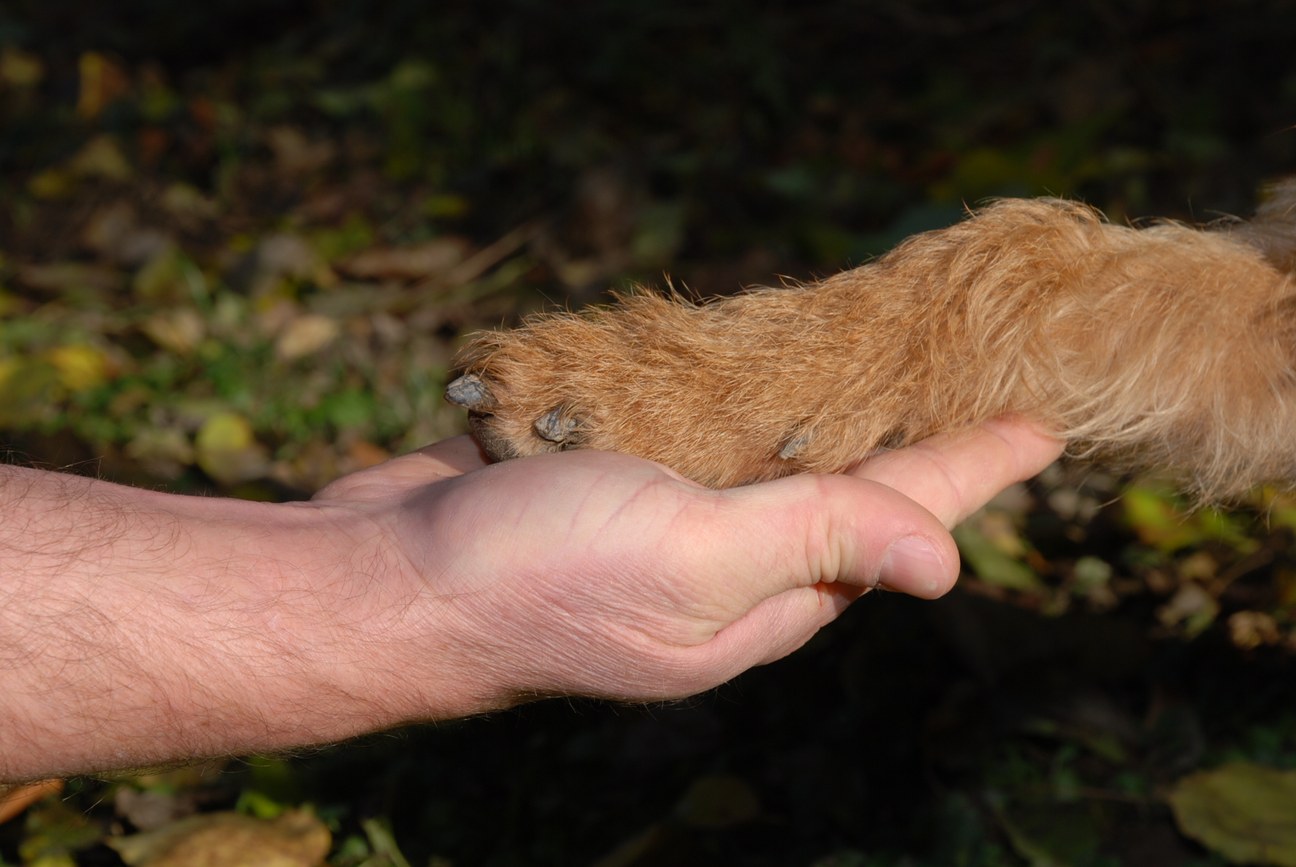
x=1166 y=348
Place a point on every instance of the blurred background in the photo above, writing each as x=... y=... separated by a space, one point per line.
x=240 y=242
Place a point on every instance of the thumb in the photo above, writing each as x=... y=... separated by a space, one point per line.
x=797 y=551
x=805 y=530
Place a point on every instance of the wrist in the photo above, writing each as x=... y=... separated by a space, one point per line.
x=336 y=632
x=307 y=614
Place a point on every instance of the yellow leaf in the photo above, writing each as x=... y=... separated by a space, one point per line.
x=9 y=303
x=101 y=157
x=20 y=69
x=79 y=367
x=227 y=450
x=51 y=184
x=225 y=430
x=1245 y=812
x=102 y=82
x=8 y=367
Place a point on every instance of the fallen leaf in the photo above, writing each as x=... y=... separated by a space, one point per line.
x=718 y=801
x=383 y=842
x=991 y=564
x=178 y=331
x=115 y=233
x=162 y=452
x=80 y=367
x=102 y=82
x=169 y=275
x=1161 y=521
x=363 y=454
x=279 y=257
x=101 y=158
x=1192 y=608
x=54 y=831
x=20 y=69
x=149 y=809
x=52 y=184
x=435 y=257
x=63 y=278
x=186 y=203
x=295 y=154
x=1245 y=812
x=294 y=839
x=28 y=387
x=1050 y=833
x=107 y=226
x=306 y=335
x=1251 y=629
x=226 y=449
x=15 y=799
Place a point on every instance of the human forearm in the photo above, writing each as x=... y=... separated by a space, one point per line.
x=139 y=628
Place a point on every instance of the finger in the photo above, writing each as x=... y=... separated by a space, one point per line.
x=775 y=628
x=782 y=624
x=955 y=474
x=807 y=530
x=443 y=460
x=454 y=456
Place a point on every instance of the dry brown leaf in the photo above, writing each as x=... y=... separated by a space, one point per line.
x=280 y=257
x=1251 y=629
x=306 y=335
x=178 y=331
x=432 y=258
x=64 y=277
x=363 y=453
x=294 y=839
x=15 y=799
x=149 y=809
x=295 y=154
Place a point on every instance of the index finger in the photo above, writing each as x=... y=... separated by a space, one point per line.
x=954 y=474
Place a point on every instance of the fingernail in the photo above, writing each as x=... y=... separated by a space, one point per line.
x=912 y=564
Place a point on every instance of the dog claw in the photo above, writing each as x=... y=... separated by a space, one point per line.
x=556 y=426
x=794 y=447
x=470 y=392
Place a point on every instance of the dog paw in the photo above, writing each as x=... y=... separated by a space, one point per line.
x=525 y=390
x=499 y=425
x=693 y=387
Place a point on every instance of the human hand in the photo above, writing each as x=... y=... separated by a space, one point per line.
x=600 y=574
x=434 y=586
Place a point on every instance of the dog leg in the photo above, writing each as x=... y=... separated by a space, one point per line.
x=1167 y=348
